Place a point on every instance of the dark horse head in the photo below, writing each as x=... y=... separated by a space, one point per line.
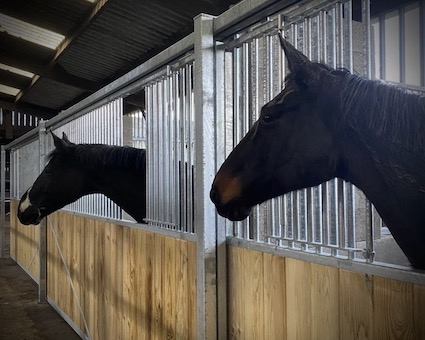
x=328 y=123
x=75 y=170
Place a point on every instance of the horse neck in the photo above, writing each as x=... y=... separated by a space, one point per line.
x=125 y=187
x=398 y=201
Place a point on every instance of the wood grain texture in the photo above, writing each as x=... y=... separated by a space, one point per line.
x=419 y=312
x=130 y=284
x=24 y=243
x=356 y=305
x=393 y=309
x=298 y=299
x=324 y=302
x=319 y=302
x=236 y=292
x=274 y=297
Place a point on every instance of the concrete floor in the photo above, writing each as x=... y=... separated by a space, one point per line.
x=21 y=316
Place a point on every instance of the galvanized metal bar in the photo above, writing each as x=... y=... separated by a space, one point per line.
x=222 y=92
x=422 y=39
x=402 y=47
x=205 y=214
x=3 y=202
x=42 y=286
x=369 y=251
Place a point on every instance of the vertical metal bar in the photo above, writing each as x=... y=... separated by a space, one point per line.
x=369 y=251
x=238 y=231
x=176 y=150
x=192 y=156
x=402 y=50
x=422 y=39
x=149 y=174
x=3 y=202
x=205 y=214
x=42 y=288
x=366 y=37
x=322 y=37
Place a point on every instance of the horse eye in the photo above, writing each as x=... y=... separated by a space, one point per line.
x=267 y=118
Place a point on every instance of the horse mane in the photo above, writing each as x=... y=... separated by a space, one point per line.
x=386 y=112
x=391 y=123
x=104 y=156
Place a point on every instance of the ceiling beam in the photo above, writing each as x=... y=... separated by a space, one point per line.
x=40 y=66
x=81 y=28
x=14 y=80
x=54 y=71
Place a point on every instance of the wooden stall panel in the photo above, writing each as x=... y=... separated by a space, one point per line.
x=418 y=312
x=24 y=243
x=274 y=297
x=256 y=289
x=324 y=302
x=356 y=305
x=393 y=309
x=298 y=297
x=116 y=282
x=302 y=300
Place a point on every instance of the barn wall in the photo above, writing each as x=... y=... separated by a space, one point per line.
x=123 y=283
x=24 y=242
x=273 y=297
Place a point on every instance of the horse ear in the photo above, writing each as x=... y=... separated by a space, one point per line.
x=295 y=58
x=65 y=138
x=59 y=143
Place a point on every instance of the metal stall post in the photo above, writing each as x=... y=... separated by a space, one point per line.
x=42 y=287
x=369 y=251
x=205 y=217
x=3 y=203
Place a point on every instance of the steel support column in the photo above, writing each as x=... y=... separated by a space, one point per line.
x=42 y=287
x=205 y=216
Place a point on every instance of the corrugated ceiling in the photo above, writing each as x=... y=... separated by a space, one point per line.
x=74 y=47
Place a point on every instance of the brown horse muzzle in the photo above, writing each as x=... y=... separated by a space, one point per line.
x=225 y=193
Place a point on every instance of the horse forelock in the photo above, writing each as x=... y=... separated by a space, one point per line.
x=104 y=156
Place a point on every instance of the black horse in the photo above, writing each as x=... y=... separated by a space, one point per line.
x=75 y=170
x=329 y=123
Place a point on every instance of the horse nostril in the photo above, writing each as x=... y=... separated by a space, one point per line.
x=214 y=195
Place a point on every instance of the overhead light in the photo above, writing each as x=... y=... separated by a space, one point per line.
x=16 y=70
x=9 y=90
x=29 y=32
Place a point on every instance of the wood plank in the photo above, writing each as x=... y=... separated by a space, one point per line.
x=192 y=291
x=356 y=305
x=107 y=300
x=169 y=287
x=324 y=302
x=52 y=258
x=419 y=312
x=13 y=226
x=127 y=284
x=148 y=282
x=253 y=310
x=235 y=292
x=182 y=307
x=393 y=309
x=274 y=297
x=117 y=283
x=90 y=291
x=158 y=329
x=141 y=282
x=298 y=299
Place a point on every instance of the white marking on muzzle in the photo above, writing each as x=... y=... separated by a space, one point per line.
x=26 y=202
